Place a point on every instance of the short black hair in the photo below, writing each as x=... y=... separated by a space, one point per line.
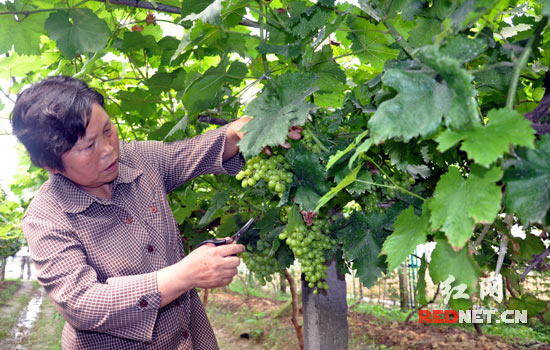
x=50 y=116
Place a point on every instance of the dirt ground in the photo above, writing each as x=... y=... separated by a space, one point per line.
x=366 y=331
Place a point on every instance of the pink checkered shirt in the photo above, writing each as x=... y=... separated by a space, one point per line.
x=97 y=258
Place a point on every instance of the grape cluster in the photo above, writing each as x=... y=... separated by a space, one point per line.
x=309 y=246
x=274 y=171
x=262 y=262
x=308 y=142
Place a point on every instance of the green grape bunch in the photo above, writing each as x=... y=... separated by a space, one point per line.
x=308 y=142
x=261 y=261
x=273 y=170
x=309 y=245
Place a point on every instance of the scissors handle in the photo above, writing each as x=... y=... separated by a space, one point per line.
x=216 y=242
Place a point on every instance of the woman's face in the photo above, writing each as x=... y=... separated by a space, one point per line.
x=92 y=163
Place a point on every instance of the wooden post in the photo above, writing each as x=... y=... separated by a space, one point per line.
x=325 y=314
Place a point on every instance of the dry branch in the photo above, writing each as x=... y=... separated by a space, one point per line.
x=295 y=308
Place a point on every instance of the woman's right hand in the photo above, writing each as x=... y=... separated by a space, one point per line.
x=208 y=266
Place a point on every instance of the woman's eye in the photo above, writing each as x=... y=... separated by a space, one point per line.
x=90 y=146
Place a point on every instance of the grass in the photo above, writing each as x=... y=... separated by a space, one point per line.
x=11 y=308
x=8 y=288
x=238 y=286
x=46 y=333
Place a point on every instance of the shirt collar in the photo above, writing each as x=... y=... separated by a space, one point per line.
x=74 y=200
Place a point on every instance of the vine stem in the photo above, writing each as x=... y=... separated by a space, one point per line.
x=262 y=36
x=317 y=141
x=389 y=178
x=399 y=38
x=522 y=61
x=393 y=187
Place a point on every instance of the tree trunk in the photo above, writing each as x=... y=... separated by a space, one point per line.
x=403 y=287
x=3 y=268
x=205 y=297
x=325 y=314
x=282 y=282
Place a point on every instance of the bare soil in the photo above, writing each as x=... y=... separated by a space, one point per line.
x=366 y=331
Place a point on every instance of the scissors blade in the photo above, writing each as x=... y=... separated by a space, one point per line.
x=237 y=235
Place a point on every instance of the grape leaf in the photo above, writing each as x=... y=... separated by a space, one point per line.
x=462 y=112
x=23 y=35
x=424 y=31
x=77 y=30
x=19 y=65
x=527 y=192
x=416 y=110
x=459 y=204
x=371 y=43
x=463 y=48
x=289 y=51
x=409 y=231
x=217 y=203
x=206 y=91
x=361 y=248
x=334 y=190
x=445 y=261
x=528 y=302
x=311 y=180
x=280 y=106
x=486 y=144
x=206 y=10
x=309 y=21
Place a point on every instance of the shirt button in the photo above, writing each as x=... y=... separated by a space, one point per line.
x=143 y=303
x=129 y=220
x=185 y=334
x=150 y=248
x=153 y=210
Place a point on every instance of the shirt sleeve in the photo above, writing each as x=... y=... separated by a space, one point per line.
x=125 y=306
x=181 y=161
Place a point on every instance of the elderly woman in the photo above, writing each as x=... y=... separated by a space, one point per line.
x=101 y=233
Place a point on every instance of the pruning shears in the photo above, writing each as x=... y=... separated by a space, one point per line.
x=232 y=239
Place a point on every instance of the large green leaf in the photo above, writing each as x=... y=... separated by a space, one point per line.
x=446 y=261
x=409 y=231
x=528 y=183
x=459 y=204
x=205 y=10
x=350 y=178
x=77 y=30
x=311 y=177
x=281 y=105
x=19 y=65
x=217 y=203
x=23 y=34
x=484 y=145
x=206 y=91
x=462 y=112
x=361 y=248
x=371 y=42
x=416 y=110
x=528 y=302
x=309 y=21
